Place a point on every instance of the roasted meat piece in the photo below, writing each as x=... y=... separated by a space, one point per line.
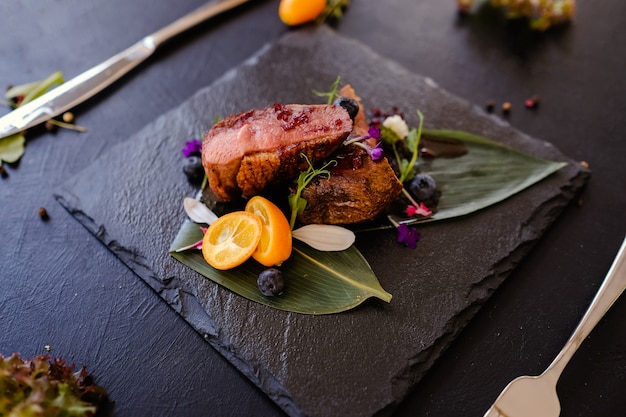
x=250 y=152
x=358 y=189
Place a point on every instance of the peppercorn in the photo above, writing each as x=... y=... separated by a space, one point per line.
x=506 y=107
x=532 y=102
x=490 y=106
x=3 y=172
x=43 y=214
x=50 y=127
x=68 y=117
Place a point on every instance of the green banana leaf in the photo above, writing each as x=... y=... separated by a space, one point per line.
x=488 y=173
x=331 y=282
x=316 y=282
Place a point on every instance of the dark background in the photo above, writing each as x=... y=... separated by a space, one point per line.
x=60 y=287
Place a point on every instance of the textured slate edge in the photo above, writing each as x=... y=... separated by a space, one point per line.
x=183 y=301
x=181 y=298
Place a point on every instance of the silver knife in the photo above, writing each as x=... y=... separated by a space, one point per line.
x=94 y=80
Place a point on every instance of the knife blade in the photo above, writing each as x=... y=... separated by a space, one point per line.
x=94 y=80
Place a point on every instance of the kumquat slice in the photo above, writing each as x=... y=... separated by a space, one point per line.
x=231 y=239
x=275 y=244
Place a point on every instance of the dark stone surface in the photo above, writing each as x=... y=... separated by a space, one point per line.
x=60 y=287
x=131 y=199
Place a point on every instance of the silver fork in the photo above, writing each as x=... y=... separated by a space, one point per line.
x=535 y=396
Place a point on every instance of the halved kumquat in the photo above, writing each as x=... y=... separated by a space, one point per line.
x=231 y=239
x=297 y=12
x=275 y=244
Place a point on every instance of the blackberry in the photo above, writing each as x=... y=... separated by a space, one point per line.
x=271 y=282
x=424 y=189
x=350 y=105
x=193 y=168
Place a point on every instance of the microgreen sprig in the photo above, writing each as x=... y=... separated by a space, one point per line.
x=412 y=140
x=332 y=94
x=297 y=204
x=334 y=10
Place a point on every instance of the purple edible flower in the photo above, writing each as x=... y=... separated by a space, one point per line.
x=376 y=152
x=374 y=132
x=192 y=147
x=408 y=235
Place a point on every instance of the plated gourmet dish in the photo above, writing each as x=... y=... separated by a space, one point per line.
x=287 y=186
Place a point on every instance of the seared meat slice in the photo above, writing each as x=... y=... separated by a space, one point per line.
x=249 y=152
x=358 y=189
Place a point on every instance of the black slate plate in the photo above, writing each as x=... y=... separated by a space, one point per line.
x=358 y=363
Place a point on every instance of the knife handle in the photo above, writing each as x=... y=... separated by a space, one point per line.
x=188 y=21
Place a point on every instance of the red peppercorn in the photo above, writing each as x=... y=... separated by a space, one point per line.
x=531 y=102
x=43 y=213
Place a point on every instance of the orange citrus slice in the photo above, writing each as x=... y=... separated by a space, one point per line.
x=275 y=244
x=231 y=239
x=297 y=12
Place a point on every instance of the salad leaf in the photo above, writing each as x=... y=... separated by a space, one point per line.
x=47 y=387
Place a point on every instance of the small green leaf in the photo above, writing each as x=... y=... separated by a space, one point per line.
x=12 y=148
x=316 y=282
x=32 y=90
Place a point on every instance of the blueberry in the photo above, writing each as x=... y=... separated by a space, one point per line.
x=271 y=282
x=351 y=106
x=424 y=189
x=193 y=168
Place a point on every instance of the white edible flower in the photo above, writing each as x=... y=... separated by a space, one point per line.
x=325 y=237
x=198 y=212
x=397 y=124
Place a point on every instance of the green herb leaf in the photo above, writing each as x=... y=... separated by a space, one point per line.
x=412 y=142
x=332 y=94
x=333 y=10
x=296 y=203
x=30 y=91
x=487 y=174
x=12 y=148
x=316 y=282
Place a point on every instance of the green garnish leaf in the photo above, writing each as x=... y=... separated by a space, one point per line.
x=24 y=93
x=297 y=204
x=12 y=148
x=412 y=141
x=332 y=94
x=333 y=10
